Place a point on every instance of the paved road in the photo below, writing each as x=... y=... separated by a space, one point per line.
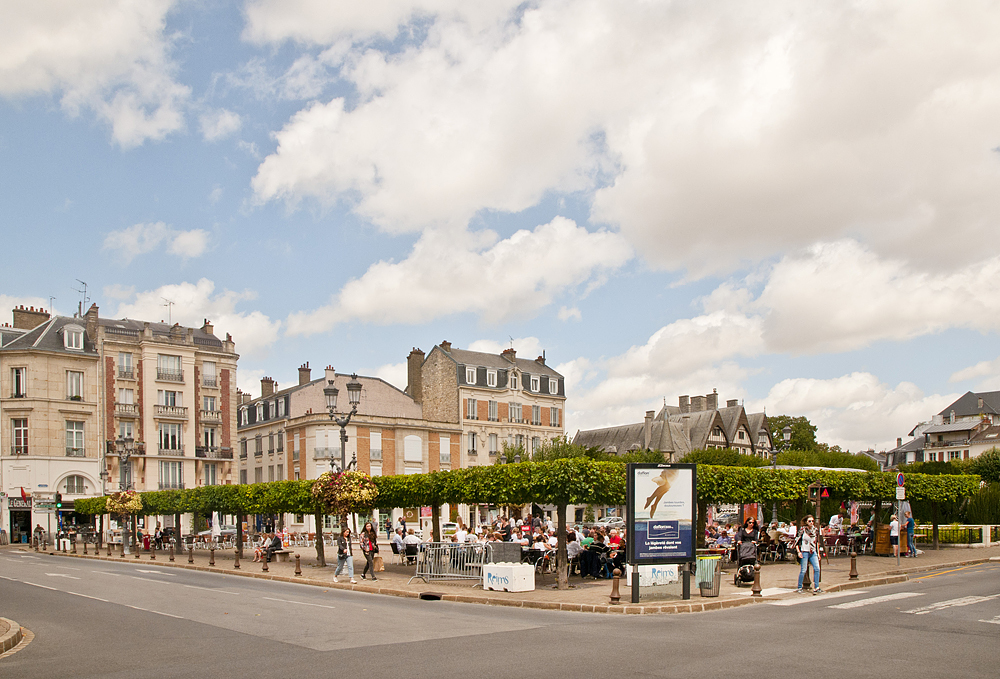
x=98 y=619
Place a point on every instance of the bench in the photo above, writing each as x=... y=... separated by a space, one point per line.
x=282 y=554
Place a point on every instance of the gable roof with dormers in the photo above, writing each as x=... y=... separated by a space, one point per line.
x=49 y=336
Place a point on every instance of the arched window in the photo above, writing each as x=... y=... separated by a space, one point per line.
x=74 y=485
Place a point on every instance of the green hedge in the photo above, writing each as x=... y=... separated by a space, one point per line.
x=577 y=480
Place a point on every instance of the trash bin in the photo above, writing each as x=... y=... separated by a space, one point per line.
x=708 y=575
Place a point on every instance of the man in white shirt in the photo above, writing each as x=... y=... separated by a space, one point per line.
x=460 y=534
x=410 y=538
x=836 y=523
x=397 y=539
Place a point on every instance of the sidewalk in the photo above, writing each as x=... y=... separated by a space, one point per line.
x=778 y=580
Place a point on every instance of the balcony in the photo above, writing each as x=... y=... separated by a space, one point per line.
x=126 y=374
x=171 y=485
x=445 y=458
x=18 y=450
x=74 y=452
x=171 y=412
x=209 y=382
x=172 y=452
x=126 y=410
x=211 y=415
x=165 y=375
x=325 y=453
x=473 y=453
x=375 y=455
x=243 y=456
x=214 y=453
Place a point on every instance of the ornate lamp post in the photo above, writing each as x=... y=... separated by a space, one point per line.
x=354 y=396
x=125 y=447
x=786 y=434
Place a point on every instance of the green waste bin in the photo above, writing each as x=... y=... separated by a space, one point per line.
x=708 y=575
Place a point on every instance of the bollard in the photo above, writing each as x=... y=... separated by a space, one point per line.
x=298 y=567
x=191 y=554
x=85 y=548
x=45 y=545
x=171 y=552
x=264 y=561
x=853 y=575
x=74 y=546
x=211 y=556
x=615 y=594
x=64 y=545
x=755 y=590
x=109 y=549
x=236 y=559
x=152 y=553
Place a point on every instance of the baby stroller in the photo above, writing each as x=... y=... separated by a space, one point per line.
x=746 y=557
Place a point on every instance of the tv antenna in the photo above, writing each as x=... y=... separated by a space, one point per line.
x=84 y=300
x=169 y=306
x=511 y=341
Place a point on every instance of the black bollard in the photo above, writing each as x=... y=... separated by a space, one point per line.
x=191 y=554
x=616 y=596
x=152 y=553
x=211 y=556
x=74 y=545
x=37 y=542
x=264 y=562
x=109 y=549
x=85 y=547
x=853 y=575
x=236 y=559
x=755 y=590
x=298 y=567
x=171 y=552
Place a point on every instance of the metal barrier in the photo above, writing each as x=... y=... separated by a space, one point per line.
x=450 y=561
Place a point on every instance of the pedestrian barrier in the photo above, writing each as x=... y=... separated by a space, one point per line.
x=450 y=561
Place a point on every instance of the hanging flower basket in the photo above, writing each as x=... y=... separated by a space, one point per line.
x=124 y=504
x=343 y=492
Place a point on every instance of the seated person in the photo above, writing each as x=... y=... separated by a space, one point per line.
x=411 y=538
x=614 y=538
x=616 y=556
x=274 y=545
x=397 y=539
x=552 y=539
x=541 y=543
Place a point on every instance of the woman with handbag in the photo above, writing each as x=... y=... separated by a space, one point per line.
x=369 y=547
x=344 y=555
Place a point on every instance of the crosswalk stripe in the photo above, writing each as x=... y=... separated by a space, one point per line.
x=877 y=600
x=951 y=603
x=994 y=621
x=814 y=599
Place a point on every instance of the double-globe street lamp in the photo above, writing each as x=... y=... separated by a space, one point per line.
x=354 y=396
x=786 y=434
x=125 y=447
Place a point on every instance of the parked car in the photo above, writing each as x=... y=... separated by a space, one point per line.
x=223 y=530
x=611 y=522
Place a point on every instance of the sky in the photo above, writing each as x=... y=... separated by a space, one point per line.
x=792 y=203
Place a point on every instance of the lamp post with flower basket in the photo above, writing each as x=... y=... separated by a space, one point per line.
x=124 y=504
x=125 y=447
x=344 y=492
x=354 y=396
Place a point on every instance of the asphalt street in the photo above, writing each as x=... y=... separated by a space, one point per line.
x=101 y=619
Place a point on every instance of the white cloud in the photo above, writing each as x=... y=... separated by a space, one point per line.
x=252 y=331
x=219 y=124
x=9 y=302
x=451 y=273
x=526 y=347
x=118 y=291
x=140 y=239
x=393 y=373
x=215 y=195
x=566 y=313
x=248 y=380
x=109 y=56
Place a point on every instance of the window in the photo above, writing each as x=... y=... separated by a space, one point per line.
x=260 y=412
x=125 y=365
x=211 y=471
x=126 y=396
x=741 y=435
x=294 y=443
x=281 y=441
x=444 y=449
x=534 y=384
x=170 y=436
x=20 y=436
x=272 y=410
x=413 y=449
x=18 y=382
x=375 y=445
x=243 y=476
x=270 y=473
x=208 y=374
x=169 y=368
x=513 y=382
x=258 y=445
x=171 y=475
x=74 y=485
x=470 y=375
x=954 y=455
x=553 y=385
x=280 y=471
x=536 y=443
x=492 y=408
x=208 y=403
x=554 y=414
x=470 y=409
x=491 y=378
x=126 y=429
x=243 y=447
x=74 y=385
x=211 y=440
x=519 y=440
x=493 y=444
x=258 y=475
x=932 y=457
x=472 y=442
x=514 y=412
x=74 y=439
x=244 y=416
x=169 y=398
x=270 y=442
x=73 y=337
x=373 y=473
x=281 y=407
x=536 y=414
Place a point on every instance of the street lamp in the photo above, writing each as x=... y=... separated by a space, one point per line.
x=354 y=396
x=125 y=447
x=786 y=434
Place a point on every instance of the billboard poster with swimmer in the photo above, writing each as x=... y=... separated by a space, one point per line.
x=663 y=505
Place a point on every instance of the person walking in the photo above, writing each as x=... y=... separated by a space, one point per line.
x=894 y=535
x=911 y=544
x=344 y=555
x=369 y=547
x=807 y=549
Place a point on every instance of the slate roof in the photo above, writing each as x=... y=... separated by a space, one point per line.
x=665 y=436
x=989 y=435
x=953 y=426
x=49 y=337
x=968 y=404
x=913 y=445
x=481 y=358
x=757 y=422
x=9 y=335
x=131 y=326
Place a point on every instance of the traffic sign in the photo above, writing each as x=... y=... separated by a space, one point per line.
x=42 y=505
x=900 y=493
x=900 y=480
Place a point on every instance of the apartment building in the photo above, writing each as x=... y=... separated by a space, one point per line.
x=496 y=398
x=965 y=429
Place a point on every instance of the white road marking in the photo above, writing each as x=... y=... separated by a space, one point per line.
x=87 y=596
x=301 y=603
x=68 y=568
x=62 y=575
x=951 y=603
x=210 y=589
x=161 y=582
x=994 y=621
x=148 y=610
x=157 y=572
x=819 y=597
x=877 y=600
x=106 y=573
x=34 y=585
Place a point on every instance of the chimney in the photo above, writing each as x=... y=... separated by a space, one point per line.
x=899 y=442
x=647 y=429
x=26 y=319
x=207 y=327
x=414 y=375
x=712 y=401
x=266 y=387
x=92 y=323
x=329 y=373
x=246 y=398
x=305 y=374
x=732 y=403
x=685 y=404
x=697 y=403
x=540 y=360
x=446 y=345
x=509 y=354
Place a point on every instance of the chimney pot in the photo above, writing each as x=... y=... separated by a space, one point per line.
x=712 y=401
x=27 y=319
x=415 y=375
x=446 y=345
x=305 y=374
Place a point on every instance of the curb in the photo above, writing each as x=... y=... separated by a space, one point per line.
x=13 y=636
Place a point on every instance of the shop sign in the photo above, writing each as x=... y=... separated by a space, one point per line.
x=18 y=503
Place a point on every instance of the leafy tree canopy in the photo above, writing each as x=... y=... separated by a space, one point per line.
x=723 y=457
x=828 y=458
x=987 y=466
x=803 y=431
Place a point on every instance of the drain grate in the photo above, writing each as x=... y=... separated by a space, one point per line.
x=431 y=596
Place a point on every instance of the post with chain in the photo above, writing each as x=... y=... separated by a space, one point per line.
x=152 y=551
x=109 y=548
x=74 y=545
x=85 y=546
x=298 y=566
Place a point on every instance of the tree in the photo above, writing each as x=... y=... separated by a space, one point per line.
x=987 y=466
x=723 y=457
x=803 y=431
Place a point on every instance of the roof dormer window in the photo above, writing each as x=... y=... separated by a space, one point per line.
x=470 y=375
x=73 y=337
